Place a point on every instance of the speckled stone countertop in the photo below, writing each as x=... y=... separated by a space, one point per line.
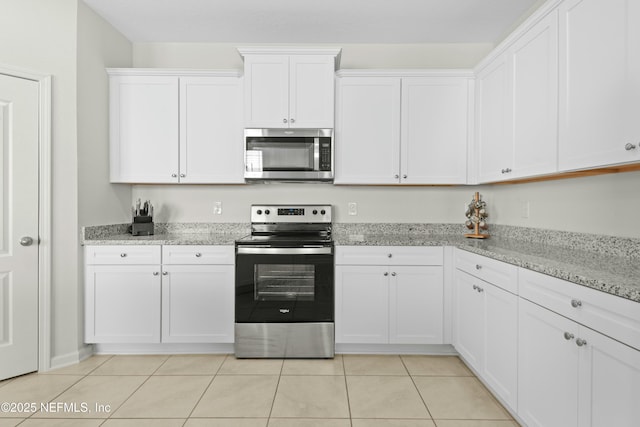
x=605 y=263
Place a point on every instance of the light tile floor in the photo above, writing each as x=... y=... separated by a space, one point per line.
x=222 y=391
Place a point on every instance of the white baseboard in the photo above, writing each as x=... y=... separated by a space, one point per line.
x=163 y=348
x=425 y=349
x=71 y=358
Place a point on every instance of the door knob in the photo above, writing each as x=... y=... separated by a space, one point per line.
x=26 y=241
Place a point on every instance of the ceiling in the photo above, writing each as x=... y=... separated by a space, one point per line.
x=313 y=21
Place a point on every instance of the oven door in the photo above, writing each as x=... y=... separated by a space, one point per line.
x=279 y=284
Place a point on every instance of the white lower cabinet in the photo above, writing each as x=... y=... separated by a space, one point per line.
x=122 y=304
x=485 y=333
x=389 y=304
x=570 y=375
x=197 y=303
x=132 y=297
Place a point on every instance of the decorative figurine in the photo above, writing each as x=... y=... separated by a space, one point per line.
x=476 y=217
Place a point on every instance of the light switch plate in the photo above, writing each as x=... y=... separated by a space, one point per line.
x=217 y=208
x=353 y=208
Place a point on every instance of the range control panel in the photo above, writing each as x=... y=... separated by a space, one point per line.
x=290 y=213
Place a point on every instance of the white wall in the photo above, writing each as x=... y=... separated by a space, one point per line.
x=99 y=46
x=362 y=55
x=40 y=35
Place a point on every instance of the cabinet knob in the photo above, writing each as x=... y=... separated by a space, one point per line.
x=629 y=146
x=575 y=303
x=386 y=273
x=568 y=336
x=475 y=287
x=284 y=120
x=292 y=120
x=480 y=289
x=174 y=175
x=182 y=175
x=164 y=273
x=397 y=176
x=404 y=176
x=123 y=255
x=506 y=170
x=478 y=267
x=198 y=254
x=155 y=273
x=393 y=274
x=390 y=255
x=580 y=342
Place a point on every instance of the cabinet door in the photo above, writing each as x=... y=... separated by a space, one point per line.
x=416 y=305
x=211 y=130
x=311 y=93
x=609 y=389
x=468 y=319
x=535 y=99
x=362 y=304
x=599 y=83
x=197 y=303
x=547 y=367
x=266 y=97
x=434 y=130
x=122 y=304
x=368 y=130
x=144 y=129
x=493 y=119
x=500 y=357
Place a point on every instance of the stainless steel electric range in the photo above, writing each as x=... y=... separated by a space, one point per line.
x=284 y=304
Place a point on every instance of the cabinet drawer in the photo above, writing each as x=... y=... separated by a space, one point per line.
x=608 y=314
x=389 y=255
x=497 y=273
x=122 y=255
x=197 y=254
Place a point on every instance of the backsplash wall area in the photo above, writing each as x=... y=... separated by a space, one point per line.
x=605 y=204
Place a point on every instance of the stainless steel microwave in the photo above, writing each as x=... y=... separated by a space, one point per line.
x=288 y=154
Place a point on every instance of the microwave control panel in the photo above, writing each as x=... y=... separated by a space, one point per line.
x=325 y=154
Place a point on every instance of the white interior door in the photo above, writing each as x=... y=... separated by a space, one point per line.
x=18 y=226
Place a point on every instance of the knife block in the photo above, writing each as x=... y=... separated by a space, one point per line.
x=142 y=226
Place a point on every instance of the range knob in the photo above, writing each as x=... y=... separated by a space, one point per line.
x=259 y=212
x=315 y=212
x=267 y=212
x=322 y=212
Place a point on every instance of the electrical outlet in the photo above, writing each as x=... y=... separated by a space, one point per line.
x=217 y=208
x=525 y=209
x=353 y=208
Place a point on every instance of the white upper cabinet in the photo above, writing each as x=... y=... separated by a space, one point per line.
x=534 y=59
x=169 y=128
x=394 y=129
x=434 y=130
x=144 y=128
x=517 y=116
x=211 y=130
x=367 y=136
x=599 y=83
x=289 y=89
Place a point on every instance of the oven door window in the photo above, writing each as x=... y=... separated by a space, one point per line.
x=284 y=288
x=284 y=282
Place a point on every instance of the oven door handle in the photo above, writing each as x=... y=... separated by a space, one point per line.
x=305 y=250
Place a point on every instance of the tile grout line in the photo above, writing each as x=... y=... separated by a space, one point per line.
x=417 y=390
x=205 y=390
x=273 y=402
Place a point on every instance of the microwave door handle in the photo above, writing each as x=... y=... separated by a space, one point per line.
x=316 y=154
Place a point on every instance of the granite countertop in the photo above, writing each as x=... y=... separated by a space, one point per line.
x=604 y=263
x=612 y=274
